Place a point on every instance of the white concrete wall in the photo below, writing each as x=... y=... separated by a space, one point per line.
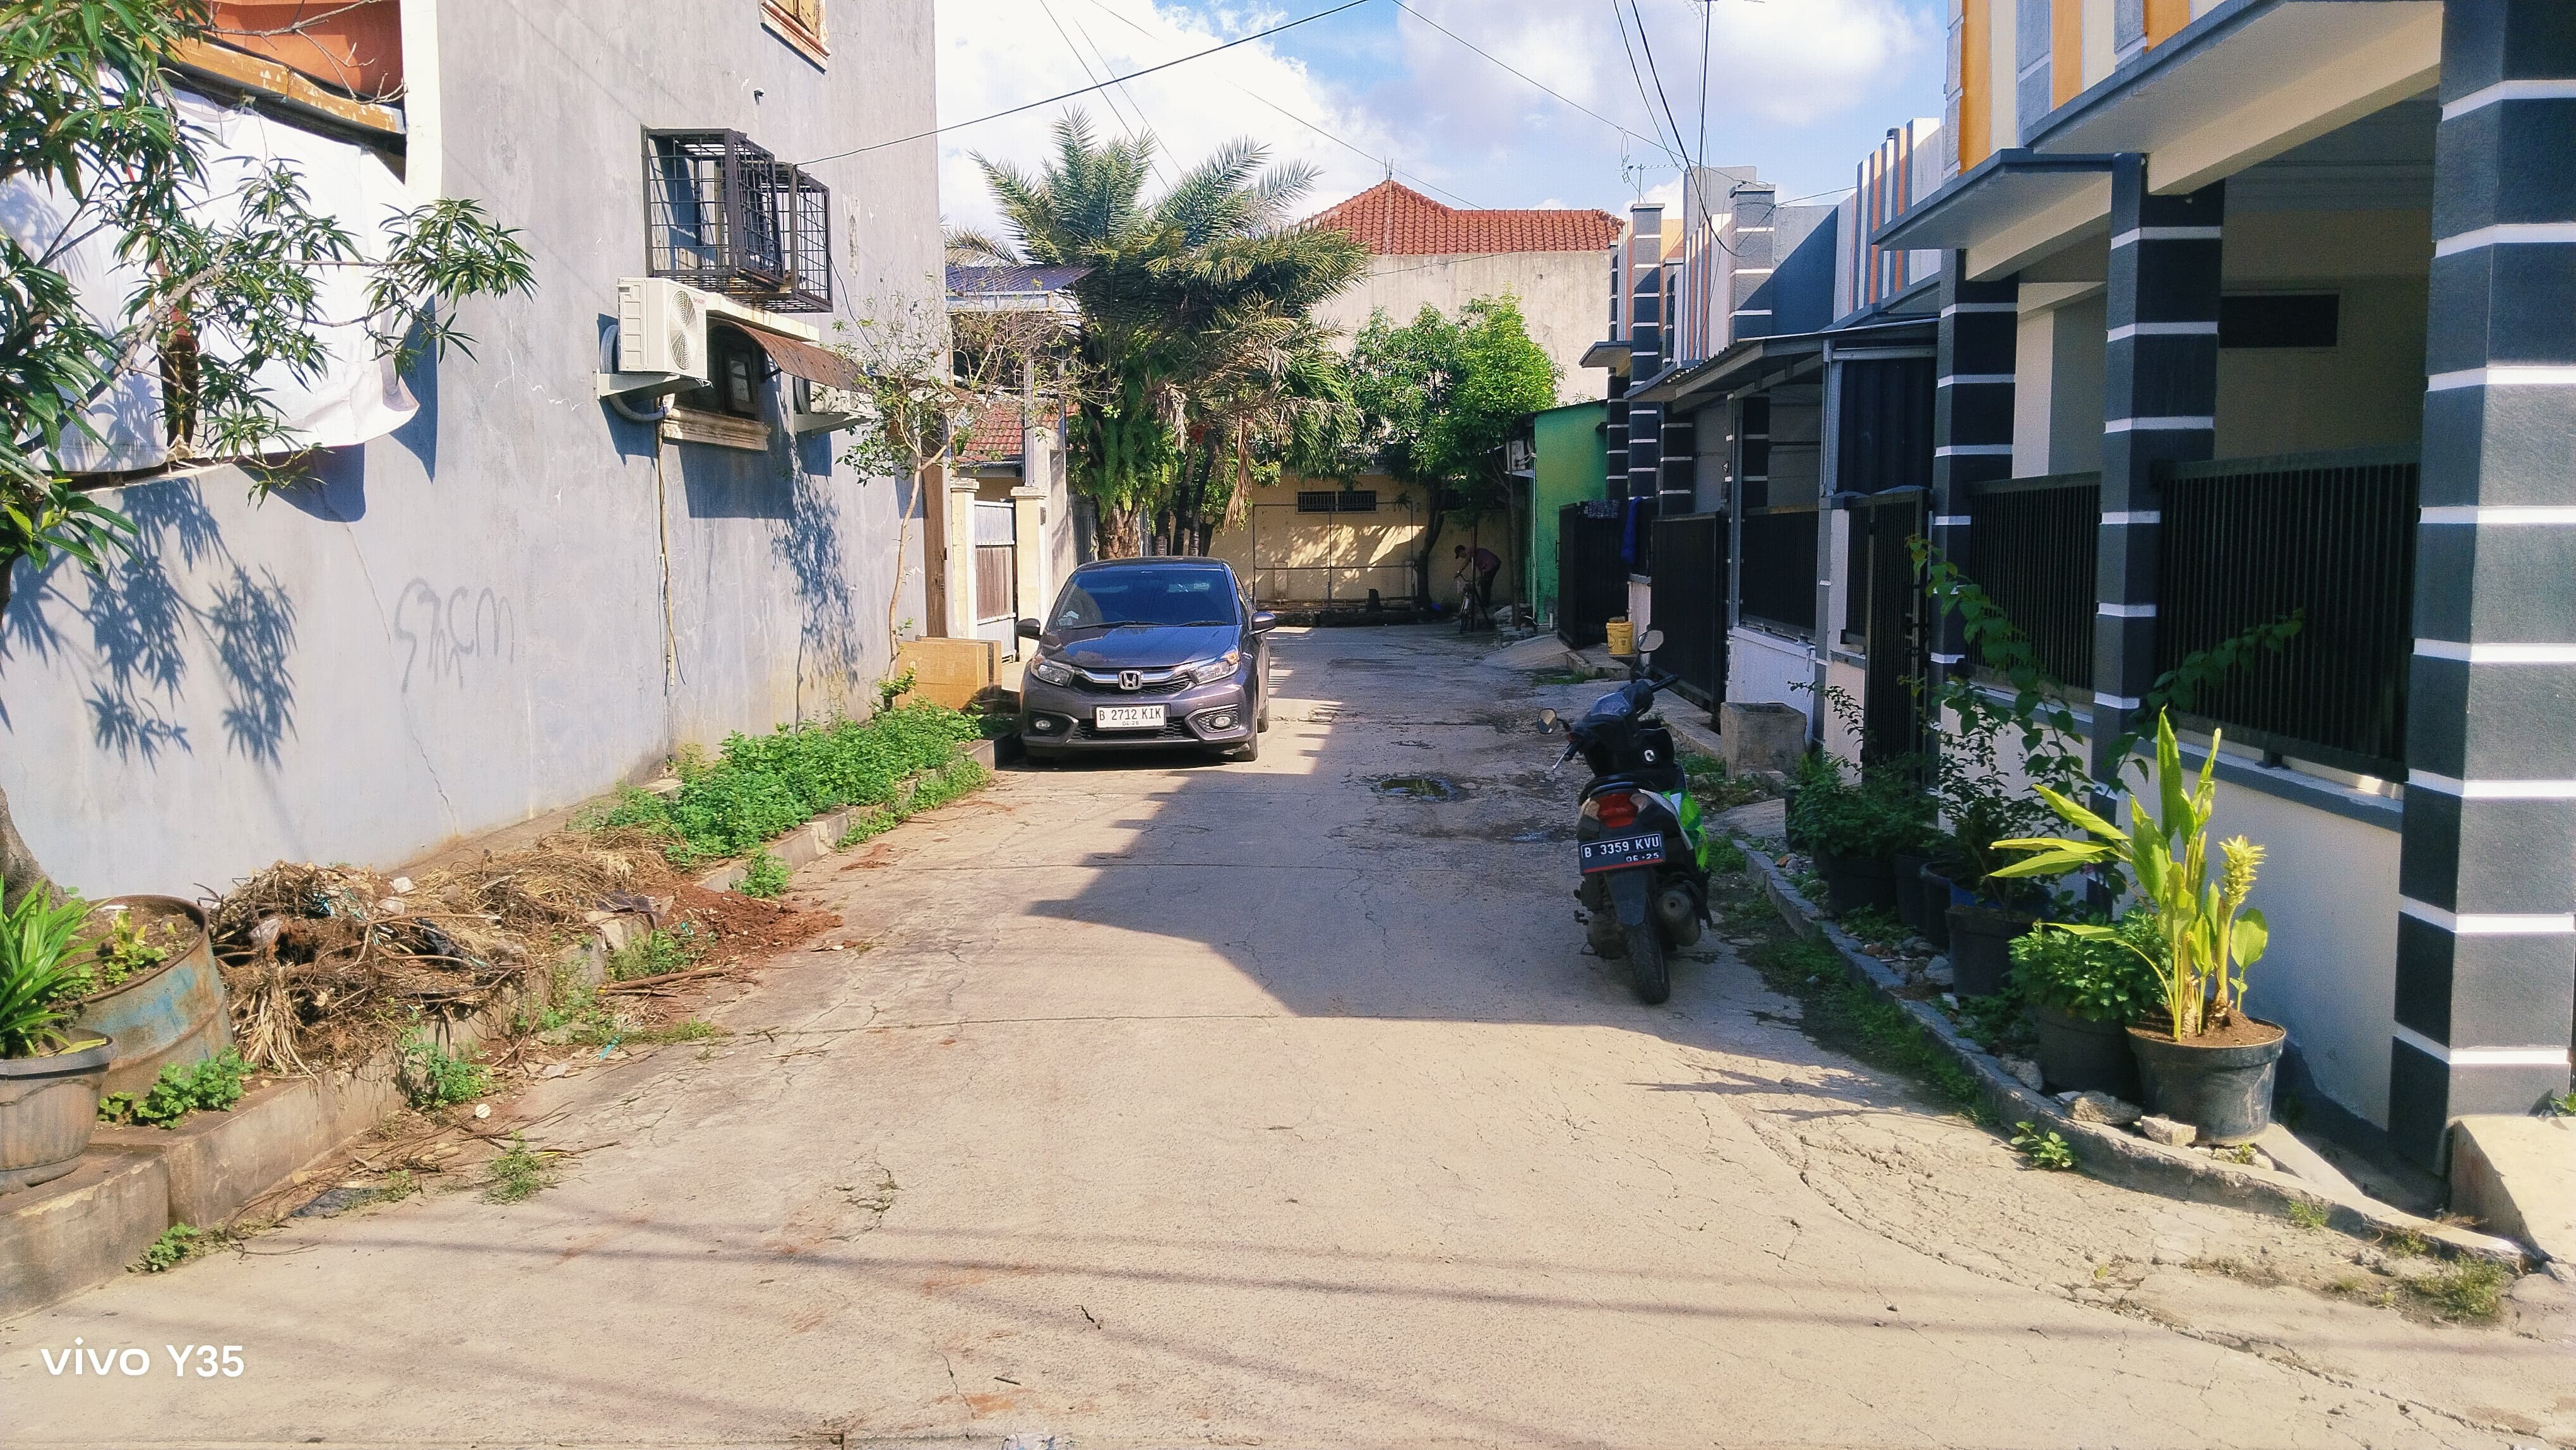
x=461 y=625
x=1561 y=298
x=1763 y=668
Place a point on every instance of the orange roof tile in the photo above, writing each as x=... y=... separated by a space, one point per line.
x=1394 y=220
x=997 y=433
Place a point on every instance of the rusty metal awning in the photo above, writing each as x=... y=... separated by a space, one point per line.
x=805 y=360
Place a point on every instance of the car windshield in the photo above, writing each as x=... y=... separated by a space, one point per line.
x=1110 y=597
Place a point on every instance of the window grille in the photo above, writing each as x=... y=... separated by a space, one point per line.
x=1358 y=501
x=1314 y=501
x=723 y=215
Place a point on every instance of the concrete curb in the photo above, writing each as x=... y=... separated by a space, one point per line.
x=82 y=1230
x=2107 y=1153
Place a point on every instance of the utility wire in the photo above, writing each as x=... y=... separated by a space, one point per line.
x=1086 y=90
x=1656 y=141
x=1648 y=47
x=1674 y=151
x=1351 y=146
x=1088 y=74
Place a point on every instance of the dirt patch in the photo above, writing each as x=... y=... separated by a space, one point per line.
x=743 y=927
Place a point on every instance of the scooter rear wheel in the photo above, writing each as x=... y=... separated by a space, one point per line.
x=1646 y=963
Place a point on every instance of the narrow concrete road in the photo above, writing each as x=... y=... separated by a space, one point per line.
x=1179 y=1104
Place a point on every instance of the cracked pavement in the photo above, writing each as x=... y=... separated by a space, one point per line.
x=1190 y=1104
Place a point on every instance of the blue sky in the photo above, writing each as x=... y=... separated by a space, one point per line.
x=1800 y=88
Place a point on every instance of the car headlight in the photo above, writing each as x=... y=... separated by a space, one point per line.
x=1208 y=672
x=1050 y=671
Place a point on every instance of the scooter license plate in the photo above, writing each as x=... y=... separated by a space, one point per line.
x=1619 y=852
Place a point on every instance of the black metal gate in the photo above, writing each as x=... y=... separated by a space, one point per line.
x=1591 y=578
x=1690 y=603
x=1887 y=604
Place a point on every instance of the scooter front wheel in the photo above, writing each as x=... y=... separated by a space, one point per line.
x=1646 y=963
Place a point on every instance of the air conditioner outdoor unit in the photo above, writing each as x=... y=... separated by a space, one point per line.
x=661 y=337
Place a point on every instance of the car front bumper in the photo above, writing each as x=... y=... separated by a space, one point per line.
x=1059 y=717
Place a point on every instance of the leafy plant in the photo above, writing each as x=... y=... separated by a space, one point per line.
x=2043 y=1149
x=213 y=1085
x=959 y=777
x=765 y=876
x=1994 y=1023
x=2470 y=1289
x=435 y=1078
x=2115 y=979
x=1871 y=819
x=654 y=953
x=38 y=981
x=2307 y=1214
x=2558 y=1105
x=128 y=951
x=2210 y=937
x=177 y=1245
x=759 y=787
x=518 y=1173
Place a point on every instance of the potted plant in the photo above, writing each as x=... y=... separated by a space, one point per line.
x=150 y=983
x=49 y=1076
x=2081 y=994
x=1854 y=831
x=2209 y=1063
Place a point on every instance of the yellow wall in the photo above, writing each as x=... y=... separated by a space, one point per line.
x=1293 y=558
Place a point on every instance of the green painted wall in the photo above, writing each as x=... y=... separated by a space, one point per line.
x=1572 y=466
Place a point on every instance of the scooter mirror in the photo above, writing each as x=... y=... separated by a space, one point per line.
x=1650 y=642
x=1547 y=719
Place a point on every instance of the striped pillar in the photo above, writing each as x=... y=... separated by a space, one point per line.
x=1645 y=359
x=1614 y=425
x=2159 y=405
x=1972 y=420
x=2486 y=935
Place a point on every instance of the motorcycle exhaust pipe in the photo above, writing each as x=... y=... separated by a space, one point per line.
x=1679 y=915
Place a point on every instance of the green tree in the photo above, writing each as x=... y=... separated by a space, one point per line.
x=1197 y=335
x=1438 y=398
x=218 y=295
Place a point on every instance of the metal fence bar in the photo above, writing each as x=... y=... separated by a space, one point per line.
x=1689 y=602
x=2032 y=548
x=2247 y=541
x=1777 y=583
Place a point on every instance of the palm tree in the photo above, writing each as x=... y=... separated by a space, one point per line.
x=1197 y=338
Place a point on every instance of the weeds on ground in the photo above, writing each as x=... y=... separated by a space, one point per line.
x=1809 y=885
x=432 y=1077
x=574 y=1015
x=2309 y=1215
x=957 y=778
x=1724 y=856
x=2469 y=1289
x=2242 y=1155
x=765 y=876
x=1842 y=1013
x=2405 y=1244
x=2559 y=1105
x=1872 y=925
x=214 y=1085
x=652 y=954
x=1994 y=1023
x=1716 y=788
x=178 y=1244
x=2042 y=1149
x=518 y=1173
x=759 y=787
x=398 y=1185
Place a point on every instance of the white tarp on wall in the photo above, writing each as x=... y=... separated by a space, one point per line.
x=357 y=397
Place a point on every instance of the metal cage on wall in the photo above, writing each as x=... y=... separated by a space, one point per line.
x=725 y=216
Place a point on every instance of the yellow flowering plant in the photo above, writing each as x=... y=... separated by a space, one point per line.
x=2210 y=934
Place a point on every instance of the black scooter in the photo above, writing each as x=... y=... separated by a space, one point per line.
x=1640 y=843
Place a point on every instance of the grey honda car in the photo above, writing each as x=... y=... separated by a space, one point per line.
x=1147 y=652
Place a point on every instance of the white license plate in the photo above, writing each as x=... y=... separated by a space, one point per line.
x=1620 y=852
x=1128 y=717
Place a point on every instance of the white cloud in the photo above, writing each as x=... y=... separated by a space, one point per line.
x=994 y=54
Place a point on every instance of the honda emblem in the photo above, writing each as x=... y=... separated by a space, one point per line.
x=1131 y=679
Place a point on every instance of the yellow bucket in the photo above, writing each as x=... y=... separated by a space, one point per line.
x=1623 y=637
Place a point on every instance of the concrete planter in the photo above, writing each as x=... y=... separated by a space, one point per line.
x=2225 y=1092
x=2078 y=1053
x=173 y=1014
x=48 y=1109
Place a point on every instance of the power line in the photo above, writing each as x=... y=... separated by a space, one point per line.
x=1656 y=141
x=1648 y=46
x=1086 y=90
x=1643 y=99
x=1353 y=147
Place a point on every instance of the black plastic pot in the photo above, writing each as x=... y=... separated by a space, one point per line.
x=2076 y=1053
x=1981 y=947
x=1854 y=882
x=2225 y=1092
x=1934 y=890
x=1909 y=894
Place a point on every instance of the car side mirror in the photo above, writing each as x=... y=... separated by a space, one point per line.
x=1547 y=719
x=1031 y=629
x=1263 y=621
x=1651 y=641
